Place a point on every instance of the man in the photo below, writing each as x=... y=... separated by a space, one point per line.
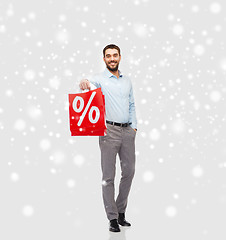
x=120 y=139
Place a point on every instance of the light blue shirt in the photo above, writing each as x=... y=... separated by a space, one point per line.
x=119 y=99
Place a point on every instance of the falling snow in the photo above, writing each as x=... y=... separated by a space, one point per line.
x=171 y=211
x=79 y=160
x=28 y=211
x=148 y=176
x=14 y=177
x=174 y=53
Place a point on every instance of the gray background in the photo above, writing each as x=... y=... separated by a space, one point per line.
x=174 y=52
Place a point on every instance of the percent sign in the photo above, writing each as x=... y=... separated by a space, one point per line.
x=93 y=108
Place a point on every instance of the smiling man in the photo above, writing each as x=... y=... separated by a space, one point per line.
x=121 y=132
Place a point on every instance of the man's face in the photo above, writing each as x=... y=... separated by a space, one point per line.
x=112 y=59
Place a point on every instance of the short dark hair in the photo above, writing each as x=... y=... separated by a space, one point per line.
x=111 y=46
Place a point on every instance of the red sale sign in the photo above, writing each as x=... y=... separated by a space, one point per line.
x=87 y=113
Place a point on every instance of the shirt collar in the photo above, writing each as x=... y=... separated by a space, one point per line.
x=109 y=74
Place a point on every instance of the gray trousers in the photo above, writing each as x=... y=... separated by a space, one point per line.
x=121 y=141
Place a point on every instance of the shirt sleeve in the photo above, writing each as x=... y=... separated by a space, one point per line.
x=94 y=80
x=132 y=109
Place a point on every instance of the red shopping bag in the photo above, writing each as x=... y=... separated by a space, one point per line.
x=87 y=113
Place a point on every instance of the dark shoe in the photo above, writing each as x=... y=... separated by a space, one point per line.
x=122 y=221
x=114 y=227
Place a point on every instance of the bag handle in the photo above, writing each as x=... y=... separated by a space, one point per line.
x=92 y=87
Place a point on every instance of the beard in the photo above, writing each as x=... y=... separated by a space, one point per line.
x=113 y=69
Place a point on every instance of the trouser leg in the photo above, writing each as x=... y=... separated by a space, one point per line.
x=109 y=149
x=127 y=162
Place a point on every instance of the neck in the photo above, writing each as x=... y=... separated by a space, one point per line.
x=116 y=73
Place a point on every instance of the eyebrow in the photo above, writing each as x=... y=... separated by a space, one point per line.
x=110 y=54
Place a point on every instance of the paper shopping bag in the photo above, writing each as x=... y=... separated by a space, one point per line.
x=87 y=113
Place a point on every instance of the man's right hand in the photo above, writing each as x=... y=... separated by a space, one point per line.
x=85 y=84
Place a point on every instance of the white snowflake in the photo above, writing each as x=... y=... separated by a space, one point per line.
x=28 y=210
x=178 y=29
x=34 y=112
x=19 y=124
x=197 y=171
x=171 y=211
x=154 y=134
x=29 y=75
x=199 y=50
x=140 y=30
x=14 y=176
x=215 y=96
x=70 y=183
x=55 y=82
x=45 y=144
x=148 y=176
x=79 y=160
x=58 y=157
x=215 y=7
